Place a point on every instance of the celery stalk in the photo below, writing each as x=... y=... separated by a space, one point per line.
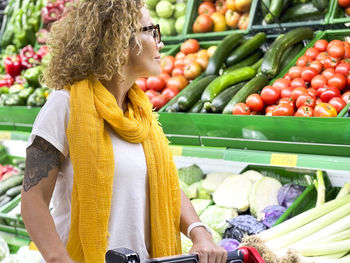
x=325 y=249
x=303 y=218
x=331 y=258
x=344 y=191
x=343 y=234
x=321 y=189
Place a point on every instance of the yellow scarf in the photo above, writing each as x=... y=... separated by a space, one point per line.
x=91 y=152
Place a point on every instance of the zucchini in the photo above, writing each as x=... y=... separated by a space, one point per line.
x=257 y=65
x=10 y=182
x=193 y=92
x=272 y=59
x=222 y=50
x=321 y=5
x=2 y=197
x=246 y=62
x=5 y=200
x=276 y=7
x=14 y=191
x=246 y=48
x=224 y=81
x=264 y=5
x=220 y=101
x=196 y=107
x=302 y=12
x=290 y=54
x=175 y=107
x=253 y=86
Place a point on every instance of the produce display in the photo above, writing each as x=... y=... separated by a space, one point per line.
x=345 y=4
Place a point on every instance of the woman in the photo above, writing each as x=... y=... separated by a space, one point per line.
x=96 y=147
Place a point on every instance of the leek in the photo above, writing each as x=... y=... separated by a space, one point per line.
x=321 y=189
x=344 y=191
x=343 y=234
x=332 y=258
x=325 y=248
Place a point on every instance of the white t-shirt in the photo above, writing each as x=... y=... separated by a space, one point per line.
x=129 y=218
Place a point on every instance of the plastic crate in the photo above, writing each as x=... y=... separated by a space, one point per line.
x=212 y=35
x=18 y=117
x=338 y=16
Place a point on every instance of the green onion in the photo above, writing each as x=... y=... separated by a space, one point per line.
x=321 y=189
x=344 y=191
x=331 y=258
x=325 y=249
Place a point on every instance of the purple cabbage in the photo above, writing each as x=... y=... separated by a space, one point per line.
x=272 y=213
x=229 y=244
x=288 y=193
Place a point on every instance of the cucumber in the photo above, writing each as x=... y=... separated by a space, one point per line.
x=10 y=182
x=321 y=5
x=264 y=5
x=246 y=48
x=224 y=81
x=220 y=101
x=17 y=161
x=290 y=54
x=2 y=197
x=193 y=92
x=246 y=62
x=222 y=50
x=302 y=12
x=196 y=107
x=272 y=59
x=14 y=191
x=253 y=86
x=5 y=200
x=257 y=65
x=276 y=7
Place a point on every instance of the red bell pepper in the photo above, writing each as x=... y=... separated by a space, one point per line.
x=43 y=50
x=13 y=65
x=27 y=52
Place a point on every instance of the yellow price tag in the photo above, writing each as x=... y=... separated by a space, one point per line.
x=5 y=135
x=176 y=150
x=284 y=159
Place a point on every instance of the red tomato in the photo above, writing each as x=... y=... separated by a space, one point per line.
x=328 y=73
x=318 y=101
x=312 y=92
x=190 y=46
x=281 y=84
x=343 y=68
x=192 y=70
x=270 y=94
x=142 y=83
x=321 y=90
x=287 y=92
x=346 y=97
x=167 y=64
x=243 y=21
x=337 y=103
x=206 y=8
x=289 y=101
x=321 y=57
x=269 y=109
x=337 y=50
x=203 y=61
x=303 y=61
x=321 y=45
x=308 y=74
x=305 y=100
x=295 y=72
x=336 y=41
x=317 y=65
x=330 y=62
x=189 y=59
x=325 y=110
x=287 y=77
x=202 y=24
x=241 y=109
x=177 y=83
x=338 y=80
x=180 y=55
x=165 y=76
x=329 y=93
x=151 y=94
x=318 y=81
x=283 y=109
x=221 y=6
x=348 y=79
x=344 y=3
x=177 y=71
x=347 y=49
x=298 y=82
x=297 y=92
x=312 y=53
x=155 y=83
x=159 y=101
x=255 y=102
x=243 y=5
x=179 y=62
x=170 y=93
x=232 y=18
x=304 y=111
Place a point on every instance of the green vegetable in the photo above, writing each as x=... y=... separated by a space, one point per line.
x=37 y=98
x=275 y=11
x=167 y=26
x=321 y=189
x=290 y=54
x=203 y=194
x=344 y=191
x=24 y=94
x=264 y=5
x=164 y=9
x=179 y=24
x=151 y=3
x=180 y=10
x=32 y=75
x=253 y=176
x=5 y=200
x=302 y=12
x=14 y=191
x=4 y=249
x=14 y=100
x=186 y=244
x=213 y=180
x=249 y=61
x=321 y=5
x=196 y=107
x=200 y=205
x=10 y=182
x=191 y=174
x=246 y=48
x=15 y=89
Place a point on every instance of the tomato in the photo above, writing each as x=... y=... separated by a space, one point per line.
x=304 y=111
x=328 y=73
x=202 y=53
x=142 y=83
x=297 y=92
x=155 y=83
x=177 y=83
x=243 y=21
x=329 y=93
x=281 y=84
x=203 y=61
x=165 y=76
x=305 y=100
x=338 y=80
x=206 y=8
x=243 y=5
x=347 y=10
x=219 y=22
x=180 y=55
x=321 y=57
x=167 y=64
x=295 y=72
x=303 y=61
x=170 y=93
x=287 y=77
x=298 y=82
x=343 y=68
x=336 y=50
x=232 y=18
x=325 y=110
x=321 y=90
x=347 y=49
x=190 y=58
x=311 y=53
x=241 y=109
x=159 y=101
x=330 y=62
x=333 y=42
x=221 y=6
x=270 y=108
x=318 y=101
x=231 y=4
x=289 y=101
x=192 y=70
x=321 y=45
x=317 y=65
x=348 y=79
x=177 y=71
x=255 y=102
x=308 y=73
x=151 y=94
x=337 y=103
x=189 y=46
x=179 y=63
x=312 y=92
x=344 y=3
x=346 y=97
x=270 y=94
x=203 y=23
x=211 y=50
x=318 y=81
x=283 y=109
x=286 y=92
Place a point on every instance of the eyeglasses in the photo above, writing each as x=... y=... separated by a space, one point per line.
x=155 y=32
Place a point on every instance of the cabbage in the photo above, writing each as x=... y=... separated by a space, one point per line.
x=288 y=193
x=179 y=24
x=229 y=244
x=13 y=259
x=164 y=9
x=155 y=20
x=28 y=255
x=200 y=205
x=152 y=14
x=180 y=10
x=171 y=1
x=192 y=190
x=253 y=176
x=215 y=217
x=216 y=236
x=271 y=214
x=203 y=194
x=213 y=180
x=4 y=249
x=151 y=4
x=186 y=244
x=193 y=173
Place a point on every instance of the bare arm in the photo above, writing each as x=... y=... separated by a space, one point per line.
x=203 y=243
x=42 y=164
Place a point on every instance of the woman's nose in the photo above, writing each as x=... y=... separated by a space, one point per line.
x=160 y=45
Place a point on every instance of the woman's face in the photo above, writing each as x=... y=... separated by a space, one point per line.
x=147 y=62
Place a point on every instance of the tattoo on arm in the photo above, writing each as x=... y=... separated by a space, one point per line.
x=41 y=158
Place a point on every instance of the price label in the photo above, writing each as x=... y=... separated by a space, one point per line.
x=176 y=150
x=284 y=159
x=5 y=135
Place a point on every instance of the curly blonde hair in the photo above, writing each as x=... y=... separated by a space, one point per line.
x=92 y=40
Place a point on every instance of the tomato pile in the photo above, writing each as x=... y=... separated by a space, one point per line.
x=220 y=15
x=318 y=85
x=177 y=72
x=346 y=5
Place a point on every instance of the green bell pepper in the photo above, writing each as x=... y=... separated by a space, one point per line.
x=14 y=100
x=4 y=90
x=32 y=75
x=15 y=89
x=24 y=94
x=37 y=99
